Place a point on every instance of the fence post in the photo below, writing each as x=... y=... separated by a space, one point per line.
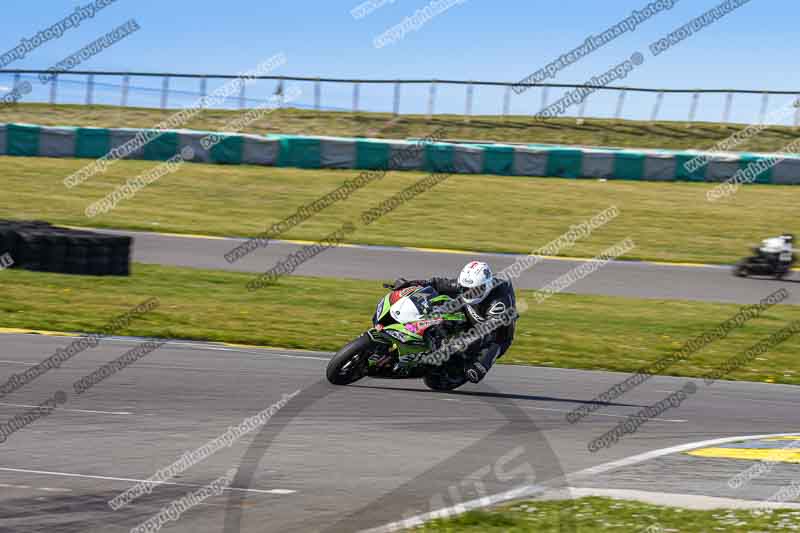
x=53 y=89
x=242 y=95
x=582 y=109
x=317 y=94
x=657 y=106
x=797 y=113
x=90 y=90
x=764 y=104
x=431 y=99
x=726 y=116
x=126 y=84
x=693 y=109
x=468 y=109
x=17 y=78
x=507 y=101
x=396 y=98
x=356 y=91
x=620 y=104
x=279 y=93
x=165 y=92
x=203 y=92
x=545 y=91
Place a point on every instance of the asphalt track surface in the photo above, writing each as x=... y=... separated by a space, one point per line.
x=621 y=278
x=341 y=458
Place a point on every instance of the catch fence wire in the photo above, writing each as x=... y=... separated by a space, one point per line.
x=467 y=99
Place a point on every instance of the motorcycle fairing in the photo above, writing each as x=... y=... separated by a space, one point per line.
x=382 y=309
x=405 y=310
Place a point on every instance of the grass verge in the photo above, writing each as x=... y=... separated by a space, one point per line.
x=667 y=221
x=515 y=129
x=603 y=514
x=587 y=332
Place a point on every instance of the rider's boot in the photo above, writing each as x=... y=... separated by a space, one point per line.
x=478 y=370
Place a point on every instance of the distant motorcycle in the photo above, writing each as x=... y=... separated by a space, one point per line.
x=399 y=324
x=760 y=265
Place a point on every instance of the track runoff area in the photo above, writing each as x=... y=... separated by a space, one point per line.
x=257 y=440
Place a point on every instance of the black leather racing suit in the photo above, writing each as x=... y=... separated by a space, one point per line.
x=495 y=313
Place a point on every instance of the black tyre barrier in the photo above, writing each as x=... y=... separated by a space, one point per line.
x=40 y=246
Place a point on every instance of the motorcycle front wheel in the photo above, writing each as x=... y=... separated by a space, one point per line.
x=350 y=363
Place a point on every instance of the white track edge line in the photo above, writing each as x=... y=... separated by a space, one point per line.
x=110 y=478
x=527 y=490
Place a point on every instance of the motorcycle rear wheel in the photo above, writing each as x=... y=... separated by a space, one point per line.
x=440 y=380
x=350 y=363
x=741 y=270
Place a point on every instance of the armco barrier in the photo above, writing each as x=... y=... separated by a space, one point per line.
x=46 y=248
x=340 y=152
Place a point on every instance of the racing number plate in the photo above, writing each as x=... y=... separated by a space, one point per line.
x=785 y=256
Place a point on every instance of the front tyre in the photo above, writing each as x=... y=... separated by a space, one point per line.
x=350 y=363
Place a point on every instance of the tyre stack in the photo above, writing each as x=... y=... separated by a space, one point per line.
x=40 y=246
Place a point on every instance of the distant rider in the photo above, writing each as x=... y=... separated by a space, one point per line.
x=485 y=300
x=772 y=248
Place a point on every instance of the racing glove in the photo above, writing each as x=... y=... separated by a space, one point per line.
x=400 y=283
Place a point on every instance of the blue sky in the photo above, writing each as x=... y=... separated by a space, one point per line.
x=752 y=48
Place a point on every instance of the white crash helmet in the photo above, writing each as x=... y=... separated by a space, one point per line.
x=476 y=278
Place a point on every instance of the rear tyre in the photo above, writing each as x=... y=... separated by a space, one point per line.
x=440 y=380
x=740 y=270
x=350 y=363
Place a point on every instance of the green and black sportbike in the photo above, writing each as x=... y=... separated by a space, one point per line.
x=388 y=349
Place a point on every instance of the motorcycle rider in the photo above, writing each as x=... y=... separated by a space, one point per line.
x=772 y=248
x=486 y=300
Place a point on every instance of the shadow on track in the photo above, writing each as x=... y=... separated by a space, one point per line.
x=507 y=396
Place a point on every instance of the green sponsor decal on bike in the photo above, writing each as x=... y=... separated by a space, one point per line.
x=408 y=336
x=408 y=349
x=456 y=317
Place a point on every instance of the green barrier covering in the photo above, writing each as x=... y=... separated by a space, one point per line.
x=305 y=152
x=299 y=152
x=564 y=162
x=228 y=150
x=628 y=165
x=764 y=177
x=438 y=157
x=498 y=159
x=681 y=174
x=92 y=143
x=22 y=140
x=372 y=154
x=162 y=148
